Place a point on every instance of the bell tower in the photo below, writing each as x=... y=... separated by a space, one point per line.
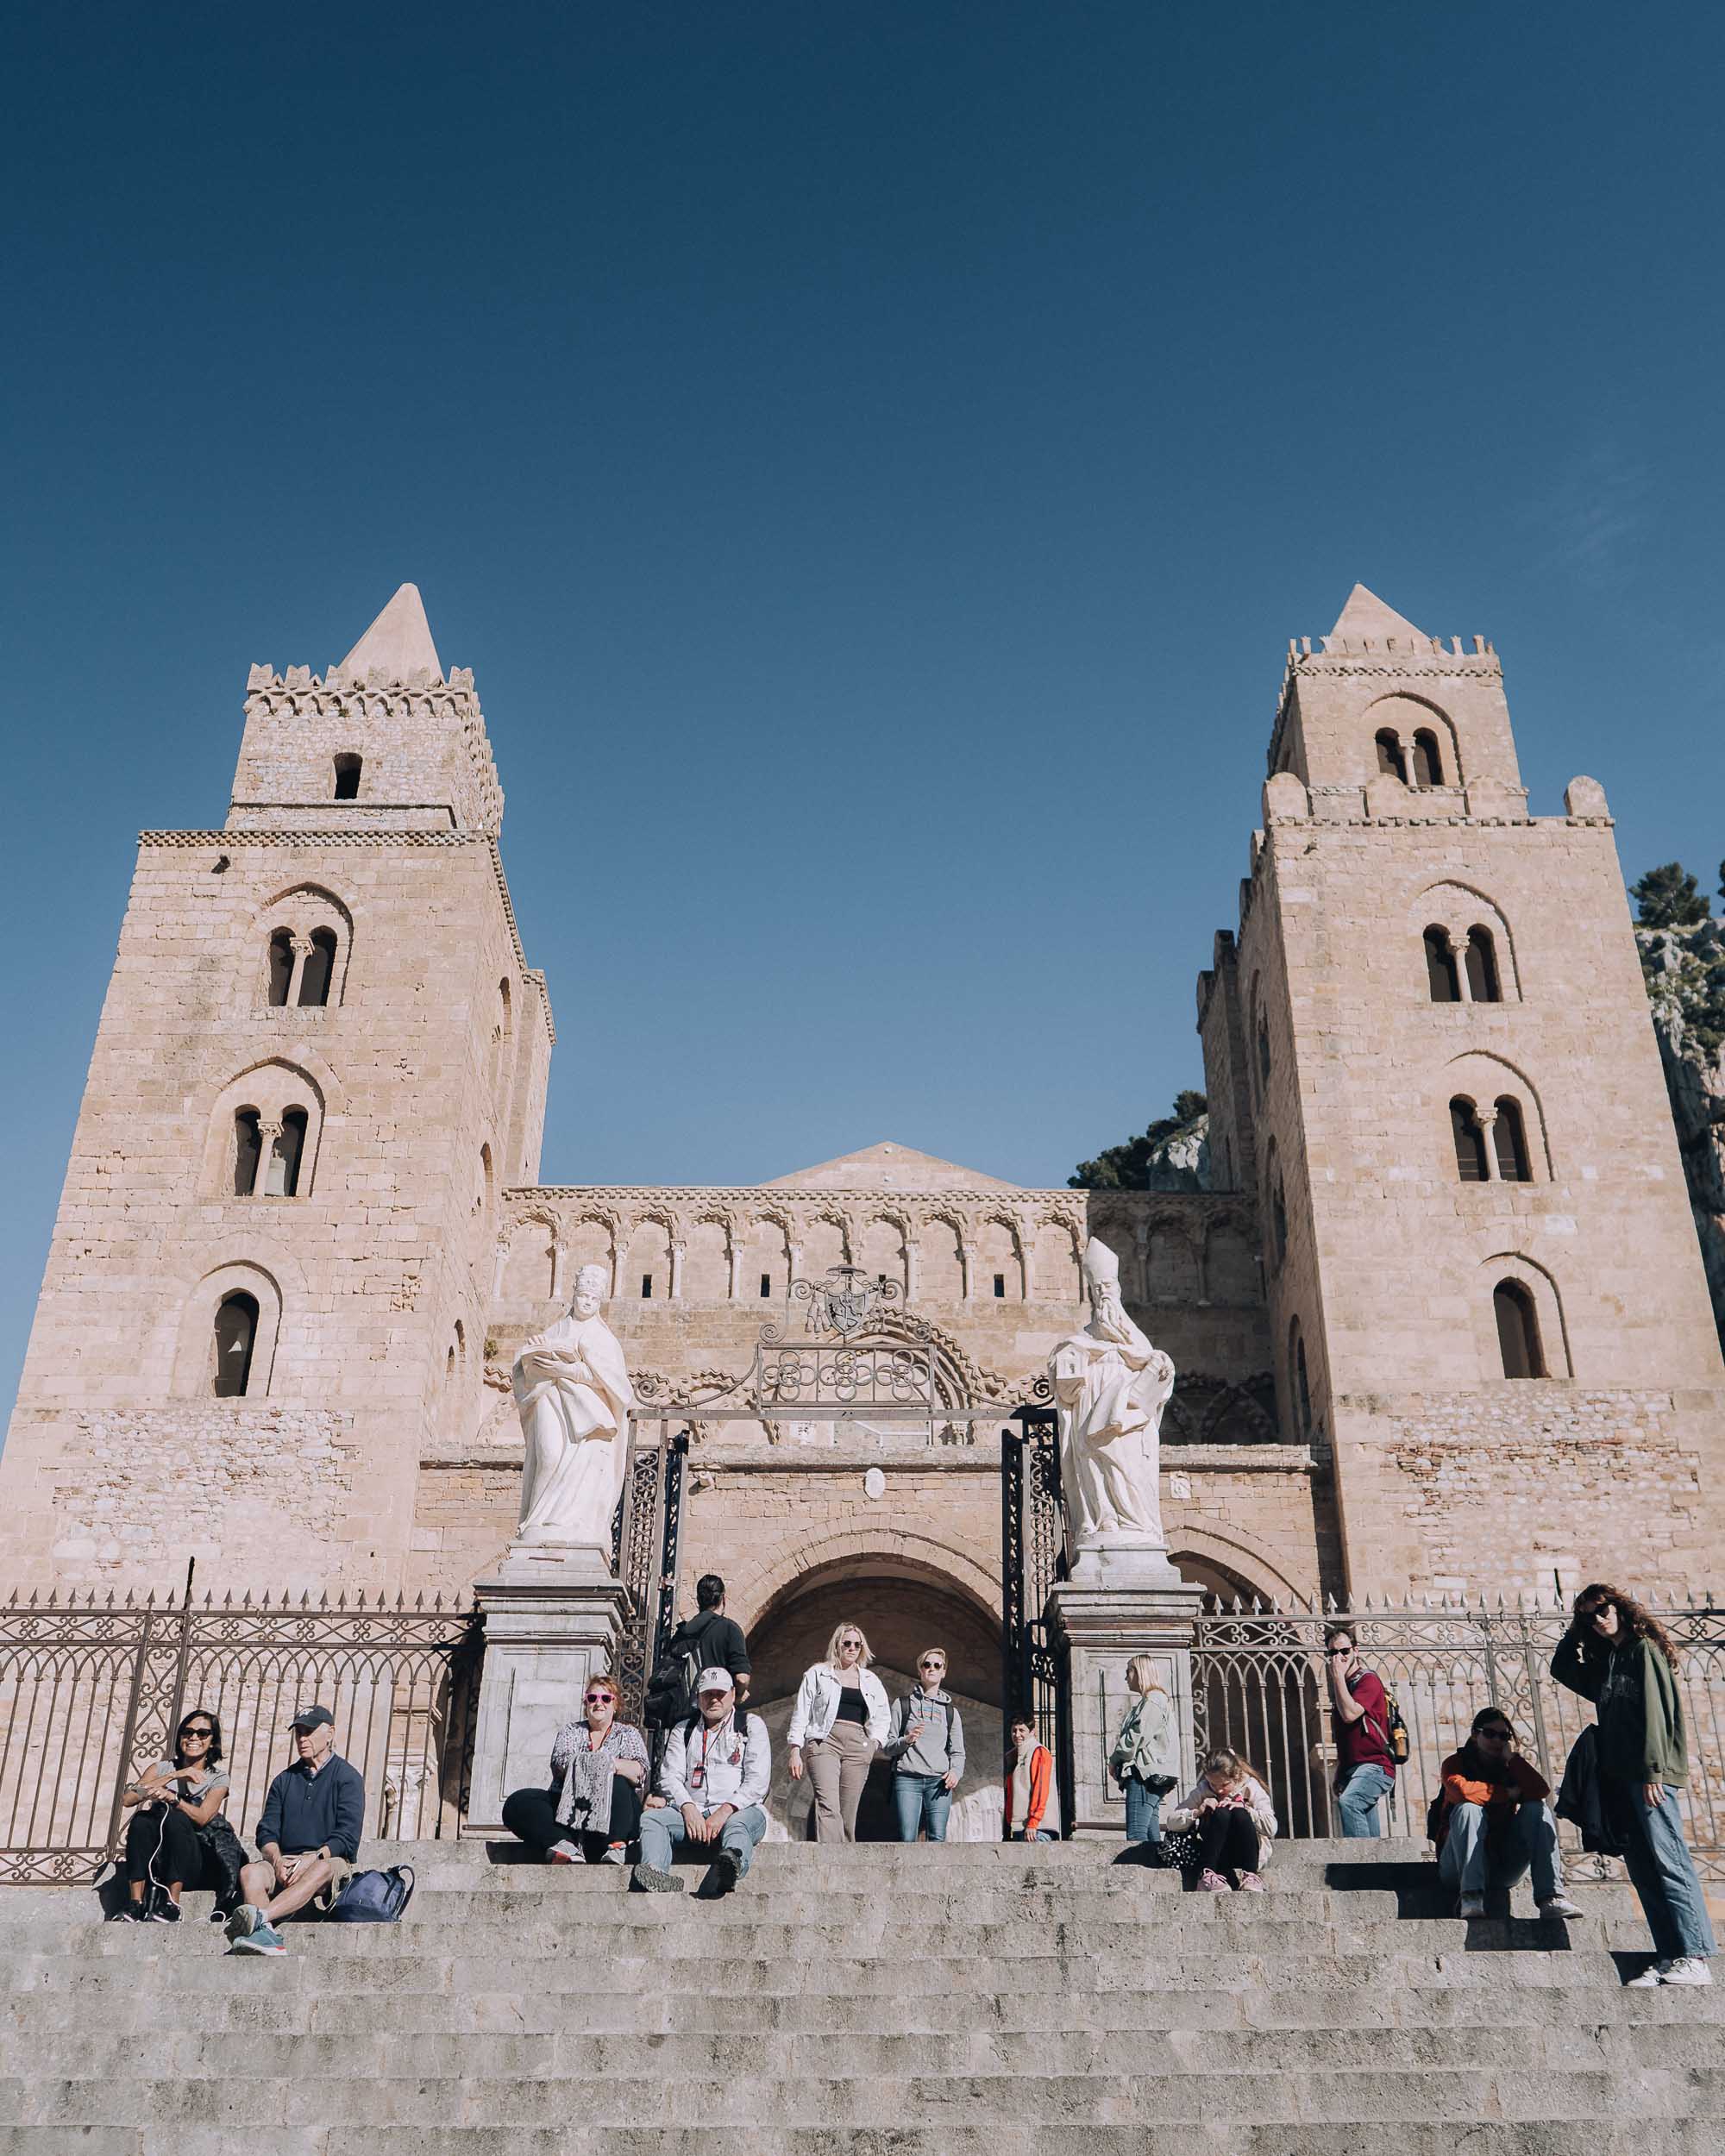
x=1485 y=1293
x=321 y=1060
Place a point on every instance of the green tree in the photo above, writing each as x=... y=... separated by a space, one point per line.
x=1127 y=1167
x=1668 y=896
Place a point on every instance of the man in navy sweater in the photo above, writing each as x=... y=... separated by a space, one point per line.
x=309 y=1836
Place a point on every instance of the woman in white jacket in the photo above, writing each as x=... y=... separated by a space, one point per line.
x=840 y=1721
x=1229 y=1810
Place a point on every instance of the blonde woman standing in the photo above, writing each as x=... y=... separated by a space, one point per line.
x=1145 y=1759
x=840 y=1721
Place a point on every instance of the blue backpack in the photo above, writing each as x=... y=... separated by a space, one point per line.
x=375 y=1897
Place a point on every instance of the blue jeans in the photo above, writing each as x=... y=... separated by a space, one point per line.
x=663 y=1832
x=1661 y=1871
x=1473 y=1861
x=1144 y=1810
x=921 y=1803
x=1361 y=1794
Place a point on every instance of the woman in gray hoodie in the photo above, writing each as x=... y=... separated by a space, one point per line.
x=925 y=1744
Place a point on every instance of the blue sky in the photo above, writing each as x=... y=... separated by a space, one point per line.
x=874 y=456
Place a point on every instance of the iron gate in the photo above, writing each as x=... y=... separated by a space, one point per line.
x=1033 y=1672
x=646 y=1542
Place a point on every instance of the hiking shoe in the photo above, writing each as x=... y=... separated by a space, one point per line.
x=1251 y=1883
x=262 y=1938
x=1471 y=1905
x=616 y=1852
x=164 y=1912
x=721 y=1877
x=1686 y=1969
x=128 y=1913
x=243 y=1923
x=1212 y=1882
x=1559 y=1905
x=651 y=1880
x=566 y=1853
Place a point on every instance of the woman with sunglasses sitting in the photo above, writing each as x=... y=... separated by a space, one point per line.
x=590 y=1810
x=1496 y=1821
x=165 y=1851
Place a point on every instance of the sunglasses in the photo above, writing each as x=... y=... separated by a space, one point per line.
x=1333 y=1651
x=1503 y=1736
x=930 y=1662
x=600 y=1699
x=198 y=1730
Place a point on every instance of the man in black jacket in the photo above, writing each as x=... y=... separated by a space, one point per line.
x=309 y=1836
x=714 y=1641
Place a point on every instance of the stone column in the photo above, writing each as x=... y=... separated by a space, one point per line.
x=678 y=1251
x=552 y=1618
x=302 y=951
x=1126 y=1603
x=912 y=1269
x=500 y=1260
x=1459 y=946
x=560 y=1266
x=967 y=1267
x=735 y=1270
x=1487 y=1121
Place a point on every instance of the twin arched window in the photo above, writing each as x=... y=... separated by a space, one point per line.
x=269 y=1152
x=1491 y=1143
x=302 y=969
x=1473 y=977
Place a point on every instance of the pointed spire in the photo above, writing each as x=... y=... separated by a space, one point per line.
x=1365 y=616
x=398 y=642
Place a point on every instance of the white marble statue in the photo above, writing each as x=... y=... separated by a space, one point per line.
x=573 y=1393
x=1111 y=1387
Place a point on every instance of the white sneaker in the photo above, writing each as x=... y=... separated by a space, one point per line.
x=1687 y=1968
x=1649 y=1979
x=1559 y=1905
x=1472 y=1905
x=566 y=1853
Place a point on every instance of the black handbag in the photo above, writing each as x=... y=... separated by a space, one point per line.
x=224 y=1857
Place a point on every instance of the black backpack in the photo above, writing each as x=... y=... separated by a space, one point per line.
x=671 y=1689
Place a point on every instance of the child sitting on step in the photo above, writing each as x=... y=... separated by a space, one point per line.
x=1228 y=1809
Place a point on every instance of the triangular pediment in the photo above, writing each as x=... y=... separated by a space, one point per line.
x=887 y=1166
x=1365 y=618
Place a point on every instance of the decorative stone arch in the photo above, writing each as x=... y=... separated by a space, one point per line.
x=1407 y=716
x=533 y=1262
x=869 y=1248
x=652 y=1234
x=1234 y=1561
x=793 y=1568
x=1483 y=1079
x=1007 y=1224
x=758 y=1226
x=943 y=1274
x=1062 y=1251
x=1232 y=1274
x=1548 y=1311
x=1174 y=1261
x=302 y=909
x=709 y=1273
x=271 y=1086
x=192 y=1371
x=1459 y=909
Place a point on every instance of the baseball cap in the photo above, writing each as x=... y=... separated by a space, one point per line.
x=713 y=1679
x=312 y=1718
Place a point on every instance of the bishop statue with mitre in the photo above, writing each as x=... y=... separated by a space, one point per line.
x=1111 y=1387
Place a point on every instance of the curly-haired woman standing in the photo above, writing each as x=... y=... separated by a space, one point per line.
x=1622 y=1658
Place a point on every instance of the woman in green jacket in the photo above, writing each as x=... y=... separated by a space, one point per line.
x=1623 y=1659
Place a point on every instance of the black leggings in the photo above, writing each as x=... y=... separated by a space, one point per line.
x=163 y=1846
x=532 y=1816
x=1228 y=1840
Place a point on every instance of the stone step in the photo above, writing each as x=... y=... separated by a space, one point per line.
x=1641 y=2137
x=763 y=2104
x=275 y=2007
x=577 y=2054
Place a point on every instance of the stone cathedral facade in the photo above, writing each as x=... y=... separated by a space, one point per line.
x=1438 y=1312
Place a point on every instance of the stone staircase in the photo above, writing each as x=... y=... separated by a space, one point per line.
x=969 y=2000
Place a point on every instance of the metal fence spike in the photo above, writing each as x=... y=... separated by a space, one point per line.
x=419 y=1600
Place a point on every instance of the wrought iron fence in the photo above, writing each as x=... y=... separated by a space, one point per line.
x=1259 y=1687
x=92 y=1691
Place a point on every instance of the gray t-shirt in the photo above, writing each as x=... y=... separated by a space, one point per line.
x=193 y=1792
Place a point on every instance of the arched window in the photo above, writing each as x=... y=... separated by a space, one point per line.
x=1442 y=980
x=1262 y=1050
x=1299 y=1384
x=248 y=1150
x=1469 y=1141
x=1389 y=756
x=1482 y=966
x=281 y=1177
x=1428 y=762
x=1510 y=1138
x=1518 y=1330
x=1278 y=1209
x=348 y=778
x=280 y=965
x=318 y=969
x=235 y=1335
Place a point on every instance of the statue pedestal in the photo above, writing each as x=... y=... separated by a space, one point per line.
x=554 y=1616
x=1121 y=1602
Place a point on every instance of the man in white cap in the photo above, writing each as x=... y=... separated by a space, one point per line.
x=716 y=1770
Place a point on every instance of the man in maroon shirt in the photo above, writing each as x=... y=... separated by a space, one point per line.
x=1366 y=1767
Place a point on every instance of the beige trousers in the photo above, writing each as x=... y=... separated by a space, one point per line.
x=838 y=1767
